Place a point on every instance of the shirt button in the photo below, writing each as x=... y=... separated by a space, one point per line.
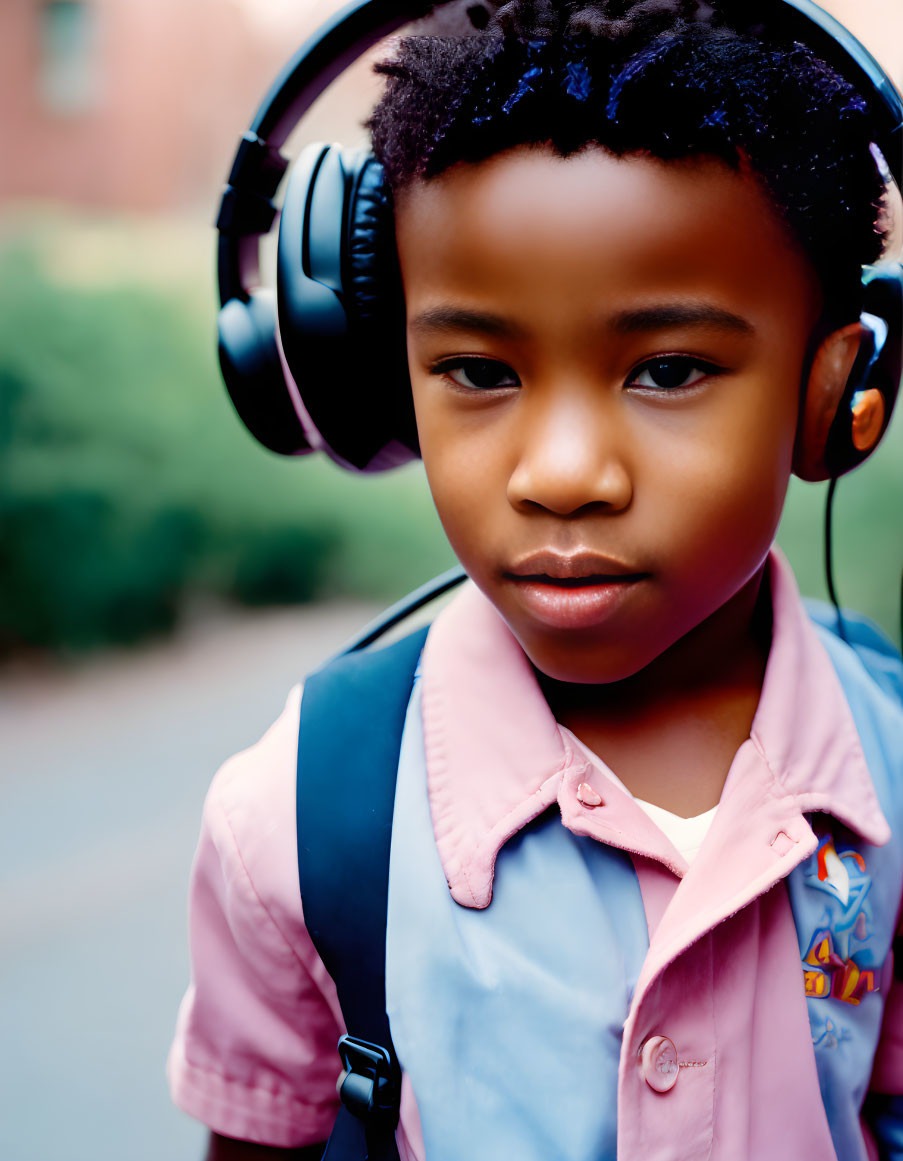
x=588 y=796
x=658 y=1063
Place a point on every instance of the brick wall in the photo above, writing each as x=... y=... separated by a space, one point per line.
x=174 y=82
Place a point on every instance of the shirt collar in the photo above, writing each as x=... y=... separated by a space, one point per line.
x=496 y=757
x=804 y=727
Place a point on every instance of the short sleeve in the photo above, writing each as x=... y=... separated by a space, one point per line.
x=254 y=1055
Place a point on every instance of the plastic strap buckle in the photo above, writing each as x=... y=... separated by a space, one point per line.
x=370 y=1088
x=258 y=167
x=246 y=208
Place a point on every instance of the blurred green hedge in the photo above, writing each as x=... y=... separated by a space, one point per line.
x=126 y=481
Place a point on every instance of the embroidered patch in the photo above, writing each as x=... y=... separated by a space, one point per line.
x=838 y=963
x=830 y=1036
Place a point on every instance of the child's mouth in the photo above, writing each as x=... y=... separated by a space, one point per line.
x=572 y=582
x=575 y=592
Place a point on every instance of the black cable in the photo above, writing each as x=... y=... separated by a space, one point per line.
x=829 y=559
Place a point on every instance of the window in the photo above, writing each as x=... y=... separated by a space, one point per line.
x=68 y=78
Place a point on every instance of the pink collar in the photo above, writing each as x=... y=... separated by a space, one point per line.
x=496 y=757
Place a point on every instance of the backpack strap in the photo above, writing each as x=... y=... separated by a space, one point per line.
x=352 y=718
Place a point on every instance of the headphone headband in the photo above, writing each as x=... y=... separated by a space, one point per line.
x=834 y=43
x=291 y=360
x=246 y=210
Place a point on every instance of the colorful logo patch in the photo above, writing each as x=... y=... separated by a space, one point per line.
x=838 y=963
x=826 y=974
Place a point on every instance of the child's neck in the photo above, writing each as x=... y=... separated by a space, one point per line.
x=670 y=732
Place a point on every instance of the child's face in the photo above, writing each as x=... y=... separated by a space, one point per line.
x=606 y=358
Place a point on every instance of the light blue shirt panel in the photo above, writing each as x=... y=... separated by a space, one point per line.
x=508 y=1020
x=845 y=1035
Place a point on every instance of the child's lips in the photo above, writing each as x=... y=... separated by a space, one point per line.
x=572 y=592
x=582 y=566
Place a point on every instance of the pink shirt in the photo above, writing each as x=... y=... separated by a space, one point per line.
x=254 y=1052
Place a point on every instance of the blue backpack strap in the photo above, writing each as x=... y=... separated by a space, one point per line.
x=352 y=718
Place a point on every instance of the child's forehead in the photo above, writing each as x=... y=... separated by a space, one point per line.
x=533 y=182
x=594 y=226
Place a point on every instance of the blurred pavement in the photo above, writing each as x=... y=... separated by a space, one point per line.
x=103 y=771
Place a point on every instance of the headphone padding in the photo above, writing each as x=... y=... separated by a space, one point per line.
x=252 y=371
x=375 y=298
x=370 y=232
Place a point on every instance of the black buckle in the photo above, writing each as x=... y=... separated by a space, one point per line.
x=370 y=1087
x=246 y=208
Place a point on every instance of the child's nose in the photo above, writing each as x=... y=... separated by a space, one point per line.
x=571 y=457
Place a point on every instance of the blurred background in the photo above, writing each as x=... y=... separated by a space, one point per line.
x=163 y=580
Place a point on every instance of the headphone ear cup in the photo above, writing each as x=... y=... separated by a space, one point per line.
x=879 y=366
x=252 y=371
x=329 y=293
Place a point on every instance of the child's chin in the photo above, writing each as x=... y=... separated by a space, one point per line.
x=584 y=662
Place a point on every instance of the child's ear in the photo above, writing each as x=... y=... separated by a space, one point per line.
x=831 y=369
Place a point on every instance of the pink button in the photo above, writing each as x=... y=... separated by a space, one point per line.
x=588 y=796
x=658 y=1063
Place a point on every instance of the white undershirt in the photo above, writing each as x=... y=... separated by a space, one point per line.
x=686 y=834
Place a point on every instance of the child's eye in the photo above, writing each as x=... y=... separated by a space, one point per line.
x=477 y=374
x=671 y=372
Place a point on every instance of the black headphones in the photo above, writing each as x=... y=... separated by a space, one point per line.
x=321 y=365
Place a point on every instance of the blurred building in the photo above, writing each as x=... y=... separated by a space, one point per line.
x=134 y=104
x=138 y=104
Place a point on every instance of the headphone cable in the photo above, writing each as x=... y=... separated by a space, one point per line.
x=829 y=561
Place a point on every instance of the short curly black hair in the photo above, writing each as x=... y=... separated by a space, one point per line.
x=667 y=78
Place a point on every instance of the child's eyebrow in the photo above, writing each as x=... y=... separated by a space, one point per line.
x=627 y=322
x=452 y=318
x=694 y=314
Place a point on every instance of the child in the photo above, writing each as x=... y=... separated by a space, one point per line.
x=645 y=867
